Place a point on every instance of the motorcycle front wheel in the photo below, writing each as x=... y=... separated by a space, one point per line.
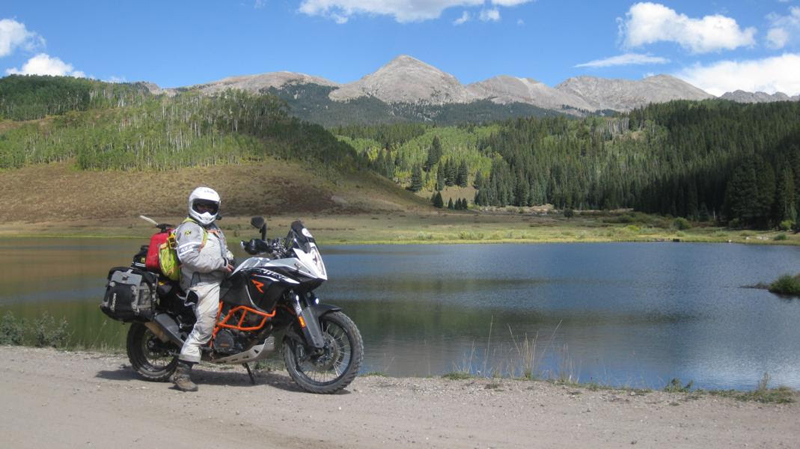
x=151 y=358
x=338 y=363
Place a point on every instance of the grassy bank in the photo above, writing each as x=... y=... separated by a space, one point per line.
x=422 y=227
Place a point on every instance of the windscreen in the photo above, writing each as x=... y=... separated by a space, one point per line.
x=301 y=237
x=306 y=250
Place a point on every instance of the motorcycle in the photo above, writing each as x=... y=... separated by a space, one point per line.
x=267 y=295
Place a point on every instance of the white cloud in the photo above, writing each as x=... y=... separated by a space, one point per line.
x=777 y=38
x=260 y=4
x=520 y=22
x=462 y=20
x=43 y=64
x=783 y=28
x=14 y=35
x=117 y=79
x=648 y=23
x=770 y=75
x=490 y=15
x=403 y=11
x=510 y=2
x=626 y=59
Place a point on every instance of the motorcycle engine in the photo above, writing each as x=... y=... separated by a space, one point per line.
x=224 y=342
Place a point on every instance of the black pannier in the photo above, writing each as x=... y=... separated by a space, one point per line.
x=130 y=294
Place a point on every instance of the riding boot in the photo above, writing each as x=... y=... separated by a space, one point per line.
x=182 y=377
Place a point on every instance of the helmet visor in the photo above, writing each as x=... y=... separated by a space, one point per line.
x=203 y=206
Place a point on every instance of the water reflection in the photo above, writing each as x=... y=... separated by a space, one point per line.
x=621 y=314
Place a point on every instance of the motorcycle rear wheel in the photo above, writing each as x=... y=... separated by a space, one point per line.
x=339 y=363
x=148 y=356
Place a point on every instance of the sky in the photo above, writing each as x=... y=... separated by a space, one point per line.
x=719 y=46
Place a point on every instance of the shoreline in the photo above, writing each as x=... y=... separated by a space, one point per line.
x=421 y=228
x=48 y=389
x=762 y=393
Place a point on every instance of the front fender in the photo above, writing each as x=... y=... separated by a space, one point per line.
x=309 y=323
x=323 y=309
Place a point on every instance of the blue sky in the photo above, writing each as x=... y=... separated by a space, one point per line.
x=716 y=45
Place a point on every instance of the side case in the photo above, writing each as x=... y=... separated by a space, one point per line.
x=130 y=295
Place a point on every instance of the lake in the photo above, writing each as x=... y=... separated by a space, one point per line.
x=620 y=314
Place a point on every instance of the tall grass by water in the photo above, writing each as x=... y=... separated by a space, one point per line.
x=523 y=360
x=786 y=285
x=47 y=331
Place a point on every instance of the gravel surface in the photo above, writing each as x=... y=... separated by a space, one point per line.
x=76 y=399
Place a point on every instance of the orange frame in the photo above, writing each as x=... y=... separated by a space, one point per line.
x=238 y=326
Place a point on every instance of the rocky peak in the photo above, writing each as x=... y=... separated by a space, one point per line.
x=406 y=80
x=255 y=83
x=624 y=95
x=741 y=96
x=506 y=89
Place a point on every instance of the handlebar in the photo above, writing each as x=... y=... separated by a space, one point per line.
x=257 y=246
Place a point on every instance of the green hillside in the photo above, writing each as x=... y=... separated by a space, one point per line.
x=738 y=164
x=144 y=131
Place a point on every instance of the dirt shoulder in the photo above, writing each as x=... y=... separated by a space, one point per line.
x=77 y=399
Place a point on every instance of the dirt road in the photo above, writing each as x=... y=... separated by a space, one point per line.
x=73 y=399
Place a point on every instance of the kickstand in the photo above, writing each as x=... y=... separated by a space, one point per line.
x=250 y=373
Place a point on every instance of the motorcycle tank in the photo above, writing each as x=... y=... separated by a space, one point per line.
x=257 y=288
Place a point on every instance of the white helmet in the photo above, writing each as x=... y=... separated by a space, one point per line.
x=204 y=205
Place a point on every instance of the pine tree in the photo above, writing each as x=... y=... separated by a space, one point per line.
x=450 y=173
x=765 y=199
x=437 y=200
x=416 y=179
x=463 y=174
x=741 y=194
x=434 y=154
x=478 y=182
x=440 y=177
x=785 y=199
x=450 y=204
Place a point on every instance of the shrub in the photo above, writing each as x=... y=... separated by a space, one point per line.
x=780 y=237
x=681 y=224
x=457 y=375
x=48 y=333
x=786 y=225
x=676 y=386
x=11 y=330
x=786 y=285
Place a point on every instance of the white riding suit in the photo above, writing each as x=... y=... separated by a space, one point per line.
x=203 y=268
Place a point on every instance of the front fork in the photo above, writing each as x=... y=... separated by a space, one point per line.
x=308 y=311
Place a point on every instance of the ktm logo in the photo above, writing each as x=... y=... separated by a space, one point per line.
x=258 y=285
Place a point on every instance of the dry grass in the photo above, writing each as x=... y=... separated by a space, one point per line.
x=359 y=207
x=57 y=192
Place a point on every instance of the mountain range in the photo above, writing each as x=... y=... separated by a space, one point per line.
x=409 y=81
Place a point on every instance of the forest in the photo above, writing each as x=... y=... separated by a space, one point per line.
x=118 y=126
x=736 y=164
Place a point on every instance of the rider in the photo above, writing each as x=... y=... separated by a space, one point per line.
x=205 y=261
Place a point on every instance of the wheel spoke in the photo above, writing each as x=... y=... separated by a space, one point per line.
x=335 y=365
x=339 y=344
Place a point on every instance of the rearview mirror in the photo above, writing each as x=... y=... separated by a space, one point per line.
x=261 y=225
